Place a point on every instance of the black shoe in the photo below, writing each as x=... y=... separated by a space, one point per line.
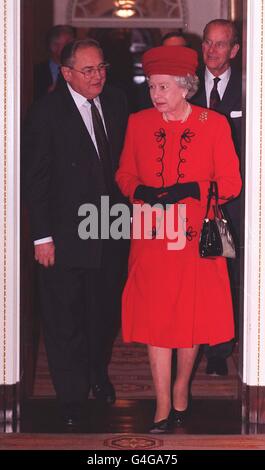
x=216 y=366
x=104 y=392
x=71 y=415
x=71 y=422
x=178 y=418
x=161 y=427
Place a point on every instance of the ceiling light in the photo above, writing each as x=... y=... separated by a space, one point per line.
x=124 y=8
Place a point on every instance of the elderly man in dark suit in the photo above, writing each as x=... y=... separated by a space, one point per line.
x=220 y=89
x=73 y=140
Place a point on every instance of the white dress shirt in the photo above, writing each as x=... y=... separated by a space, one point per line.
x=221 y=85
x=84 y=107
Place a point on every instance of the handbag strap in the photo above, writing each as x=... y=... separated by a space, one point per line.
x=213 y=193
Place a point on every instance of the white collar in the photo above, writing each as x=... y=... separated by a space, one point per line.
x=221 y=85
x=224 y=76
x=80 y=100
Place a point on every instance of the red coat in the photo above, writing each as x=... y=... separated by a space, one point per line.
x=174 y=298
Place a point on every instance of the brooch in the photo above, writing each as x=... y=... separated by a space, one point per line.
x=203 y=116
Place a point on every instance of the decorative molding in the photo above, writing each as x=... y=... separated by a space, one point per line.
x=254 y=270
x=166 y=13
x=3 y=213
x=127 y=441
x=9 y=190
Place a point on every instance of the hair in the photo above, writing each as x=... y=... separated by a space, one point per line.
x=69 y=51
x=226 y=23
x=178 y=33
x=55 y=32
x=188 y=82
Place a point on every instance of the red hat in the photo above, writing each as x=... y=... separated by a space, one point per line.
x=170 y=60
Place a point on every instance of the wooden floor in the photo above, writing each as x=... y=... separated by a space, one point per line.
x=214 y=423
x=133 y=416
x=215 y=408
x=133 y=442
x=130 y=374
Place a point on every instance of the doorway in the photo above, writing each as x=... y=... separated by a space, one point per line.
x=125 y=39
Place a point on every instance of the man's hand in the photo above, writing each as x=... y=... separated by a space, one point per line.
x=45 y=254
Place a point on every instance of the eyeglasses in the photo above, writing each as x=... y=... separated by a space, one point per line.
x=89 y=72
x=218 y=45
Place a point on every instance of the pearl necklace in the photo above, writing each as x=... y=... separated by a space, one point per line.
x=185 y=117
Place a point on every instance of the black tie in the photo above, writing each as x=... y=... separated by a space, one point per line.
x=214 y=96
x=103 y=146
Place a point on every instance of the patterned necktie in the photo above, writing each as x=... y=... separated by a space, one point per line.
x=103 y=146
x=214 y=96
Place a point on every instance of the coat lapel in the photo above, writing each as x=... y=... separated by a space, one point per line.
x=75 y=127
x=232 y=96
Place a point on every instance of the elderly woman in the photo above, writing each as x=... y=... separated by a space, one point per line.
x=174 y=298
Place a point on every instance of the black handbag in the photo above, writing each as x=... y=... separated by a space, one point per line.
x=216 y=238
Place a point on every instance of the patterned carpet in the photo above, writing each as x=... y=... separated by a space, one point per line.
x=130 y=373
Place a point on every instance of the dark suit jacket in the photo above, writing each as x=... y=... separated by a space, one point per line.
x=62 y=171
x=42 y=79
x=231 y=101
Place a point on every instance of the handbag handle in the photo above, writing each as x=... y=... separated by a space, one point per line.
x=213 y=193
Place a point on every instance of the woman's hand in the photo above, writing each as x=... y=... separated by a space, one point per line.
x=177 y=192
x=167 y=195
x=148 y=194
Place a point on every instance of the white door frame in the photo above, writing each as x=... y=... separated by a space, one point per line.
x=9 y=190
x=254 y=270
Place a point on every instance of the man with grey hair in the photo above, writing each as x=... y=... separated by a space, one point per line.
x=221 y=82
x=73 y=139
x=220 y=89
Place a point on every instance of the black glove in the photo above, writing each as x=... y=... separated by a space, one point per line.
x=177 y=192
x=148 y=194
